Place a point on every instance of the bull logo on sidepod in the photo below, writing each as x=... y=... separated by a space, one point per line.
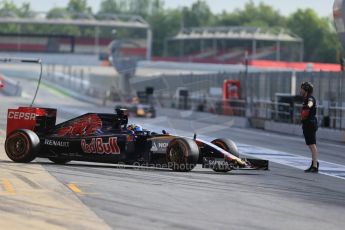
x=98 y=147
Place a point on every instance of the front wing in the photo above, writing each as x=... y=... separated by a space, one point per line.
x=250 y=164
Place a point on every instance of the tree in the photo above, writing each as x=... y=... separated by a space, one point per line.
x=143 y=8
x=157 y=6
x=164 y=24
x=199 y=15
x=113 y=6
x=78 y=6
x=9 y=9
x=57 y=12
x=25 y=11
x=320 y=41
x=261 y=15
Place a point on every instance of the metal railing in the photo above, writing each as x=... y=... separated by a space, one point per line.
x=331 y=117
x=284 y=112
x=337 y=117
x=263 y=87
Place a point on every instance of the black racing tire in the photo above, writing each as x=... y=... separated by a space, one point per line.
x=182 y=154
x=22 y=145
x=59 y=160
x=229 y=146
x=153 y=114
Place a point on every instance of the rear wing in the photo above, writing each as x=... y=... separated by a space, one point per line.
x=35 y=119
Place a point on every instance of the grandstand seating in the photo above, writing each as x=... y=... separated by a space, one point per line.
x=204 y=55
x=263 y=53
x=232 y=54
x=228 y=56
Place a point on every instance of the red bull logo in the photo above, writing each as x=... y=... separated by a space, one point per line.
x=98 y=147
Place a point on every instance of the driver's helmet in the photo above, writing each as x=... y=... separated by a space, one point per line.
x=134 y=128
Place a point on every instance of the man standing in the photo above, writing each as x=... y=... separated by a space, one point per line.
x=309 y=124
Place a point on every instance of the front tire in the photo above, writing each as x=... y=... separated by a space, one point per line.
x=22 y=146
x=229 y=146
x=182 y=154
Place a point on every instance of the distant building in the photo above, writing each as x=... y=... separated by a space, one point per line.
x=96 y=41
x=232 y=45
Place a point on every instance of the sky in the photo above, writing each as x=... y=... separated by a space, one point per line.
x=286 y=7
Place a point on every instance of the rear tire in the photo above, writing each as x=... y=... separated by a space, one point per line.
x=22 y=145
x=229 y=146
x=182 y=154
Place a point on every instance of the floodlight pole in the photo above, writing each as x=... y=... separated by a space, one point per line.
x=165 y=51
x=248 y=85
x=149 y=44
x=301 y=57
x=97 y=40
x=278 y=51
x=254 y=48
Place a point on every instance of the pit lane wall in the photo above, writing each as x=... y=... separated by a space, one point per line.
x=243 y=122
x=11 y=87
x=207 y=118
x=296 y=130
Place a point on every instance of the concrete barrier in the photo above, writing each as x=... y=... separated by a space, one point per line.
x=73 y=93
x=207 y=118
x=10 y=87
x=296 y=130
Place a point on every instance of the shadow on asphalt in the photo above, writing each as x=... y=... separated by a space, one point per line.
x=137 y=168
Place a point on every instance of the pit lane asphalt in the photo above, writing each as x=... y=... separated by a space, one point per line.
x=136 y=198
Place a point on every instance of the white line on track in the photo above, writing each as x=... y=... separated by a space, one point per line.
x=280 y=157
x=292 y=160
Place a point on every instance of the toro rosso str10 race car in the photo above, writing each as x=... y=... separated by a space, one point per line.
x=107 y=138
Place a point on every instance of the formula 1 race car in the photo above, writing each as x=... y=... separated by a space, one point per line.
x=138 y=110
x=107 y=138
